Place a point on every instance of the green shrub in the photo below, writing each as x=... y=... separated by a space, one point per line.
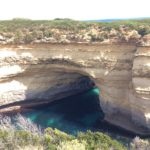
x=98 y=140
x=37 y=35
x=18 y=37
x=143 y=31
x=72 y=145
x=47 y=33
x=57 y=136
x=28 y=38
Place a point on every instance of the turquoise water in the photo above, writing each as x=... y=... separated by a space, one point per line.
x=81 y=112
x=76 y=113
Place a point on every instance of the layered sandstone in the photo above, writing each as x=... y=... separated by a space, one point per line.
x=41 y=73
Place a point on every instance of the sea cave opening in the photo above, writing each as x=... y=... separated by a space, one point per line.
x=79 y=110
x=72 y=114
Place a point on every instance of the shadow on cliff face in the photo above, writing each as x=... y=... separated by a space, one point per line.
x=41 y=84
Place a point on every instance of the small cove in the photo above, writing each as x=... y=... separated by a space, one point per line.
x=73 y=114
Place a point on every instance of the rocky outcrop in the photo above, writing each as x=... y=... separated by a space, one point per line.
x=41 y=73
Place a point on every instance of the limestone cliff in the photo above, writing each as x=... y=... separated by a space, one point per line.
x=40 y=73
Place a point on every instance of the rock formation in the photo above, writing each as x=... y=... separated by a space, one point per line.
x=40 y=73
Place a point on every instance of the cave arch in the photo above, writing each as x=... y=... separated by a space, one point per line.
x=114 y=68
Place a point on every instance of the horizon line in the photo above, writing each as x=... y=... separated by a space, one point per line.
x=103 y=19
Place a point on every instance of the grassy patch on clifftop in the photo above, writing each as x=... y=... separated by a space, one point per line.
x=66 y=31
x=41 y=25
x=67 y=24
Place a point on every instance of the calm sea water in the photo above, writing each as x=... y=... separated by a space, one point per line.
x=81 y=112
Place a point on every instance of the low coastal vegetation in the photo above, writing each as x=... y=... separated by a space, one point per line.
x=57 y=140
x=25 y=135
x=24 y=31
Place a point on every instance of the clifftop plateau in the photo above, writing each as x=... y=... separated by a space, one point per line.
x=22 y=31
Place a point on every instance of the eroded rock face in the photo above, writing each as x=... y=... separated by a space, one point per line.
x=42 y=73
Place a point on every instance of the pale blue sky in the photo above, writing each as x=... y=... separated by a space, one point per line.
x=74 y=9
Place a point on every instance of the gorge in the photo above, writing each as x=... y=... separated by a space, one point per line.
x=37 y=74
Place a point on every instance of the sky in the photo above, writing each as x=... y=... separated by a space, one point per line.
x=74 y=9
